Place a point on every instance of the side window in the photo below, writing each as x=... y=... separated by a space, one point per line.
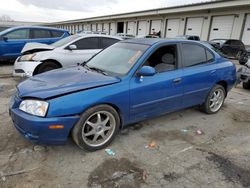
x=40 y=34
x=57 y=34
x=163 y=59
x=106 y=42
x=87 y=43
x=19 y=34
x=193 y=54
x=210 y=56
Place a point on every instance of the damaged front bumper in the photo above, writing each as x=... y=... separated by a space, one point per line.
x=25 y=68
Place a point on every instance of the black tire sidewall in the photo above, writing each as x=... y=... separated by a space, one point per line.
x=206 y=105
x=77 y=130
x=46 y=64
x=246 y=85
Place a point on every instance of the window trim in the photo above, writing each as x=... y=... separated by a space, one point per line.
x=201 y=63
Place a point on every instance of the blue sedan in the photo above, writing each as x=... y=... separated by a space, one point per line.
x=130 y=81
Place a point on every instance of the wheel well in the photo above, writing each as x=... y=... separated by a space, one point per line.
x=109 y=104
x=224 y=84
x=44 y=61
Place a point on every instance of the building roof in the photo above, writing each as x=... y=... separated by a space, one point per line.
x=167 y=10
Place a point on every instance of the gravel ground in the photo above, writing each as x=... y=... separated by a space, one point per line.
x=178 y=156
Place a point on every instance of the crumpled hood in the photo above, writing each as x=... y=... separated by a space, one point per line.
x=35 y=47
x=63 y=81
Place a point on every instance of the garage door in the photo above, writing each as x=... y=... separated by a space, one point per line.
x=112 y=29
x=106 y=27
x=222 y=27
x=246 y=32
x=194 y=26
x=142 y=28
x=131 y=28
x=93 y=27
x=87 y=27
x=99 y=27
x=155 y=26
x=172 y=29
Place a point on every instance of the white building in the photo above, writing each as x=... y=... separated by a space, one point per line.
x=218 y=19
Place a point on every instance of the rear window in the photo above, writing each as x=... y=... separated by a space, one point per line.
x=57 y=34
x=40 y=33
x=193 y=54
x=87 y=43
x=106 y=42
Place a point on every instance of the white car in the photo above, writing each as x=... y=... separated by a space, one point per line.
x=73 y=50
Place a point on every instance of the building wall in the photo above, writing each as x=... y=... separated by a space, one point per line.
x=239 y=14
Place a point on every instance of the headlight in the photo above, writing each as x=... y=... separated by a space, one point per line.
x=28 y=57
x=34 y=107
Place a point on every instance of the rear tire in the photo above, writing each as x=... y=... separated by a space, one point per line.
x=246 y=85
x=96 y=128
x=214 y=100
x=47 y=66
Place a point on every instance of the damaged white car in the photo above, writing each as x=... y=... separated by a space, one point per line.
x=38 y=58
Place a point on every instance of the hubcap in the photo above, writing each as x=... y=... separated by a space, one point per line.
x=216 y=100
x=98 y=128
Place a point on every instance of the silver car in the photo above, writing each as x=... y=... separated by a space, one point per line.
x=75 y=49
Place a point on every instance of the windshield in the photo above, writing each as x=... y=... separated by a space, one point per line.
x=118 y=59
x=65 y=41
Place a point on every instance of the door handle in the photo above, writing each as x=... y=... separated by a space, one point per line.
x=177 y=80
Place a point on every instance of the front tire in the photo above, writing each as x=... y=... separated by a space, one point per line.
x=96 y=128
x=215 y=100
x=47 y=66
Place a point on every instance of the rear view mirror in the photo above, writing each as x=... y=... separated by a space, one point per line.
x=72 y=47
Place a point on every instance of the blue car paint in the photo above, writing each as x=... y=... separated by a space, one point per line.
x=11 y=49
x=135 y=98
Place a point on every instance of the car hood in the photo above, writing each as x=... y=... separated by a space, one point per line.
x=36 y=47
x=63 y=81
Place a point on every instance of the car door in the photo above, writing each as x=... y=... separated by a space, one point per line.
x=155 y=95
x=85 y=49
x=41 y=36
x=14 y=42
x=199 y=73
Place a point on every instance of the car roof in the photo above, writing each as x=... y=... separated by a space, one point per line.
x=84 y=35
x=152 y=41
x=36 y=27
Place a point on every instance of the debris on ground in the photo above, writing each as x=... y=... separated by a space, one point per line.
x=184 y=130
x=3 y=176
x=110 y=152
x=184 y=150
x=199 y=132
x=152 y=144
x=144 y=175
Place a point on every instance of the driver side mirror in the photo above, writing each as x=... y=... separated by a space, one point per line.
x=5 y=38
x=72 y=47
x=146 y=71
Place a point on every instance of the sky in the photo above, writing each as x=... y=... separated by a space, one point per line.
x=55 y=10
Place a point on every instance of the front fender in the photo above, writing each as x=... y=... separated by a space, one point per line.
x=76 y=103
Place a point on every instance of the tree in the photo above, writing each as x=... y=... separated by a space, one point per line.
x=6 y=18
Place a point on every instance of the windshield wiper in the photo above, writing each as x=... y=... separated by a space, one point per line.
x=97 y=70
